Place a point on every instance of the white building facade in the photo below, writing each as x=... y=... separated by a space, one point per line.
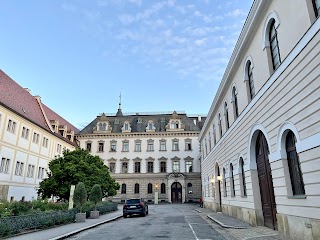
x=31 y=135
x=148 y=153
x=261 y=139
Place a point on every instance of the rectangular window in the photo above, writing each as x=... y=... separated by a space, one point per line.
x=40 y=172
x=125 y=167
x=176 y=166
x=137 y=167
x=138 y=147
x=45 y=142
x=59 y=147
x=101 y=147
x=163 y=167
x=113 y=147
x=163 y=146
x=188 y=146
x=112 y=167
x=19 y=168
x=89 y=147
x=125 y=147
x=25 y=133
x=150 y=167
x=11 y=126
x=4 y=167
x=30 y=171
x=35 y=138
x=175 y=146
x=150 y=146
x=189 y=166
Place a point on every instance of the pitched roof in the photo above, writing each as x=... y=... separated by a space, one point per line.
x=51 y=115
x=20 y=101
x=159 y=120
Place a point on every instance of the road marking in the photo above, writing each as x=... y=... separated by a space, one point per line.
x=260 y=236
x=193 y=232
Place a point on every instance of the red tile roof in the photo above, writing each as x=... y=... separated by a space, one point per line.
x=51 y=115
x=19 y=100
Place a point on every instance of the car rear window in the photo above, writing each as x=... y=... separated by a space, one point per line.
x=133 y=201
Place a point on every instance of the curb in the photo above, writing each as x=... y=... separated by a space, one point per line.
x=85 y=228
x=197 y=210
x=224 y=225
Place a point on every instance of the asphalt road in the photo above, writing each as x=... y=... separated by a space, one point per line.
x=169 y=221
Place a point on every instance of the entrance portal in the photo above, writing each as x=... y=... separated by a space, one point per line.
x=176 y=193
x=265 y=182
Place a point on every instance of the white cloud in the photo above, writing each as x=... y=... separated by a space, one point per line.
x=236 y=13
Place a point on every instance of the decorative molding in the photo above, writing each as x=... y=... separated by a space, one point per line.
x=175 y=158
x=124 y=159
x=188 y=158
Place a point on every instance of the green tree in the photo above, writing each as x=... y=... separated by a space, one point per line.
x=95 y=195
x=74 y=167
x=80 y=195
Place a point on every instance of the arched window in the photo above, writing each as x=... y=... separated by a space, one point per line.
x=226 y=115
x=294 y=165
x=224 y=182
x=274 y=46
x=123 y=188
x=316 y=5
x=214 y=135
x=163 y=188
x=220 y=125
x=206 y=146
x=190 y=191
x=149 y=188
x=250 y=80
x=136 y=188
x=242 y=178
x=235 y=102
x=233 y=192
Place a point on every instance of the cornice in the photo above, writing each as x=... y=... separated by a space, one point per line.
x=138 y=135
x=246 y=32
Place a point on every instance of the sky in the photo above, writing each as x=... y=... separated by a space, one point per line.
x=78 y=55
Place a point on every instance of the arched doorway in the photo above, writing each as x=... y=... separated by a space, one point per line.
x=265 y=182
x=176 y=192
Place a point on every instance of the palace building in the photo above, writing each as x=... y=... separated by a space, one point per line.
x=31 y=134
x=261 y=139
x=148 y=153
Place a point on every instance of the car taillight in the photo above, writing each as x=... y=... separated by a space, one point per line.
x=125 y=206
x=141 y=204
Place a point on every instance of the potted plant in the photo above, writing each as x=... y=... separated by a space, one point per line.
x=80 y=198
x=95 y=196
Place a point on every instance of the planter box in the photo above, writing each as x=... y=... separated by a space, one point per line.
x=80 y=217
x=94 y=214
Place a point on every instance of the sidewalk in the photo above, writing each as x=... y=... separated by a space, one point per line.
x=67 y=230
x=239 y=229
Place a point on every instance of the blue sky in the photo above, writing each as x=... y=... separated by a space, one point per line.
x=78 y=55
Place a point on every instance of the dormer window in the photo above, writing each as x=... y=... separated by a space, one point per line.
x=150 y=127
x=139 y=120
x=102 y=126
x=126 y=127
x=175 y=123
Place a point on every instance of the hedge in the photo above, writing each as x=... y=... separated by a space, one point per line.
x=20 y=224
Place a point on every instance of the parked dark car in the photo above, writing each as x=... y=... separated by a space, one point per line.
x=135 y=206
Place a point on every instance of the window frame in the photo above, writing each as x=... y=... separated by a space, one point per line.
x=273 y=38
x=150 y=188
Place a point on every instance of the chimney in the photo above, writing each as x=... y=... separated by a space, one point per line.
x=199 y=118
x=27 y=89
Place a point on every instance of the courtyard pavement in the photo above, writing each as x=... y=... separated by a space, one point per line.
x=228 y=227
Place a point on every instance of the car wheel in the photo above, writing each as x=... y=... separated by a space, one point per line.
x=143 y=214
x=125 y=216
x=147 y=212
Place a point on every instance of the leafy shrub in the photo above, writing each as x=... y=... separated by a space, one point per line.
x=17 y=224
